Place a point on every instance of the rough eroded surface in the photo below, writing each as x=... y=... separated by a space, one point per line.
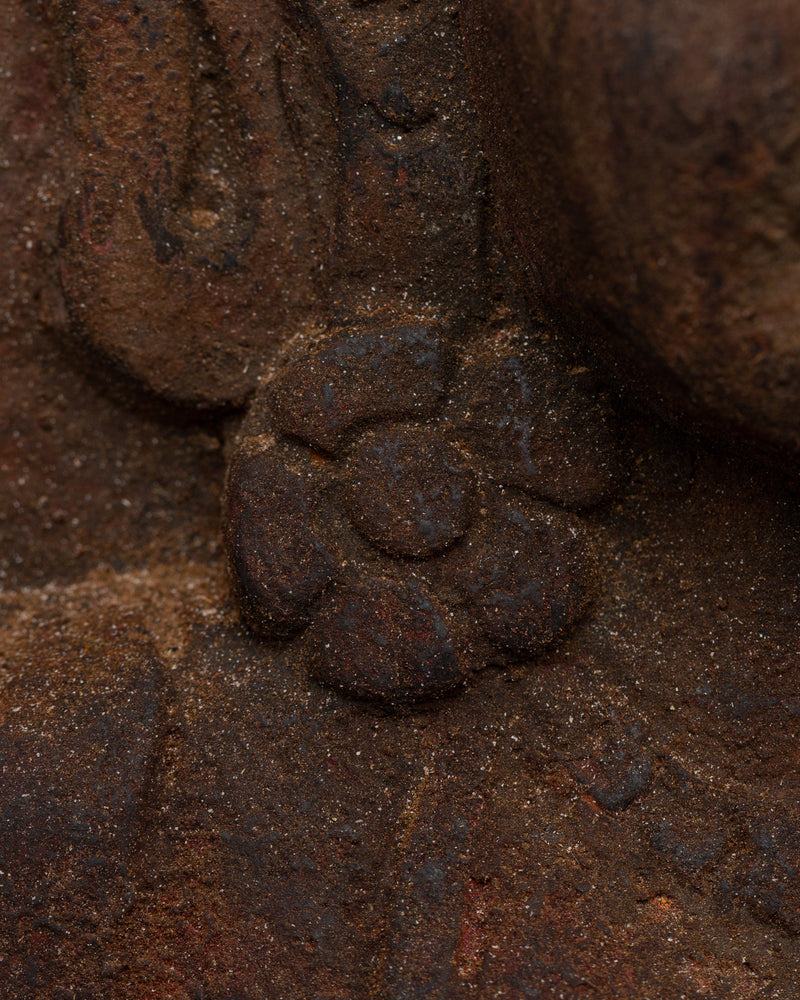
x=187 y=815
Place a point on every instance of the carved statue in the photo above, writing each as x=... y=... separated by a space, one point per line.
x=647 y=158
x=288 y=203
x=296 y=205
x=408 y=286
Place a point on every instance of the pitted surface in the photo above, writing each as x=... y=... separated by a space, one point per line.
x=410 y=491
x=409 y=506
x=188 y=815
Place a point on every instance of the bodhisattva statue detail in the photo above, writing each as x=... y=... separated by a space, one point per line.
x=287 y=204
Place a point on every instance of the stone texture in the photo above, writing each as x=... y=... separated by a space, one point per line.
x=78 y=739
x=206 y=822
x=188 y=208
x=646 y=160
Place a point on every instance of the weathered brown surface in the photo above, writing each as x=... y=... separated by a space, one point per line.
x=187 y=814
x=230 y=164
x=188 y=249
x=416 y=553
x=621 y=818
x=646 y=156
x=386 y=490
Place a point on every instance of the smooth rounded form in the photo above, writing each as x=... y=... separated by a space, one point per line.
x=646 y=159
x=409 y=491
x=278 y=564
x=386 y=641
x=531 y=579
x=359 y=377
x=543 y=426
